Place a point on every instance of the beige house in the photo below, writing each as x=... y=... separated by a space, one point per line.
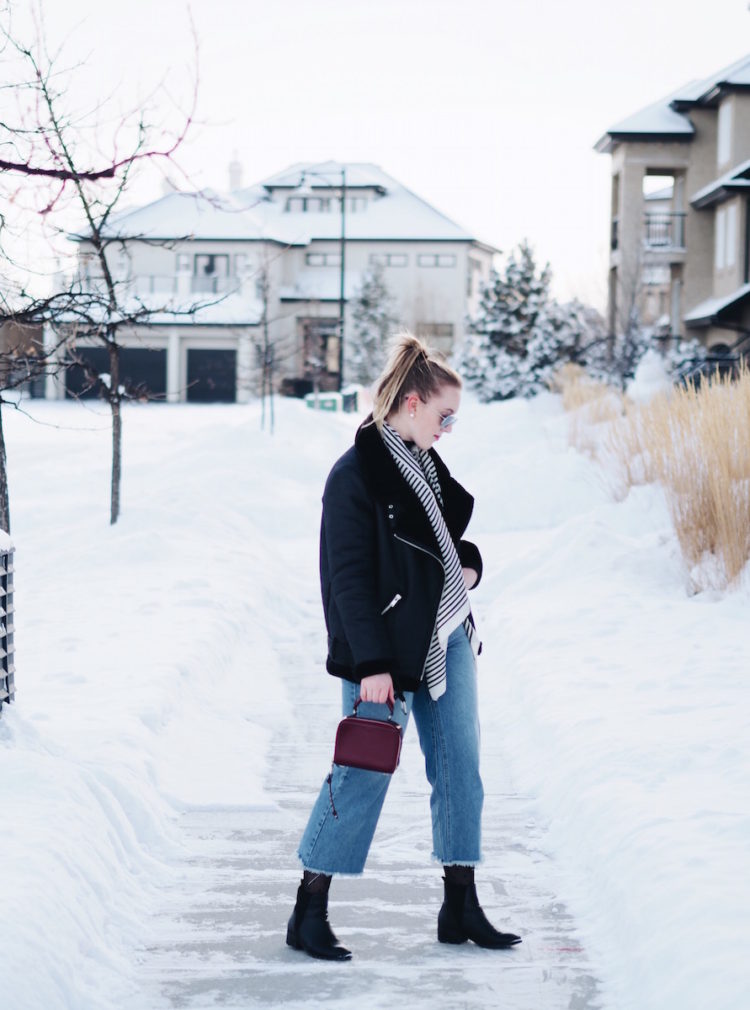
x=280 y=262
x=680 y=211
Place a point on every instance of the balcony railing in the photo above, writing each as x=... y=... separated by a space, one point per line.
x=664 y=231
x=211 y=284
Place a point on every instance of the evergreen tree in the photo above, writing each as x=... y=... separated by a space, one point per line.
x=521 y=336
x=372 y=323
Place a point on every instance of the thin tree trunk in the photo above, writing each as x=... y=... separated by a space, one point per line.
x=4 y=498
x=114 y=402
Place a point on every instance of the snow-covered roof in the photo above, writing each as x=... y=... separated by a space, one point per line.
x=704 y=313
x=205 y=215
x=725 y=186
x=666 y=118
x=659 y=119
x=736 y=75
x=232 y=309
x=390 y=212
x=319 y=284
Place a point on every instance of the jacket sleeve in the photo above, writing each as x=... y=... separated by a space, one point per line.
x=350 y=544
x=470 y=557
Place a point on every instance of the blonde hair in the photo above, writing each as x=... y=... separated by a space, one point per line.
x=411 y=367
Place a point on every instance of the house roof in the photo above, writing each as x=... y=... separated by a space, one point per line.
x=392 y=212
x=258 y=213
x=734 y=181
x=706 y=312
x=666 y=119
x=204 y=215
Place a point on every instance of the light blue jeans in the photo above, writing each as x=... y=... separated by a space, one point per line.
x=449 y=737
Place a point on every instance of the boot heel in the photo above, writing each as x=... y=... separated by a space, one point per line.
x=291 y=939
x=446 y=934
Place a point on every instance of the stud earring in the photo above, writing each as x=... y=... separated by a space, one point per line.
x=412 y=415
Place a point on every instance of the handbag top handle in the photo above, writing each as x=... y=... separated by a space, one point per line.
x=389 y=703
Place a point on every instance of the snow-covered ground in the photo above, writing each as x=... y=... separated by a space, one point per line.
x=148 y=678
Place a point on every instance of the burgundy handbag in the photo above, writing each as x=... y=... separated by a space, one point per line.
x=372 y=744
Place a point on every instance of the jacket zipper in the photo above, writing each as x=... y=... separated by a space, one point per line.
x=392 y=604
x=418 y=547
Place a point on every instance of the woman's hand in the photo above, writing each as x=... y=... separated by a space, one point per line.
x=377 y=688
x=470 y=577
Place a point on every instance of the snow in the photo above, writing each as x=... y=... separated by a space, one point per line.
x=151 y=669
x=651 y=378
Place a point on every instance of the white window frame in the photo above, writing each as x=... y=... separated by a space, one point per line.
x=389 y=259
x=323 y=259
x=730 y=257
x=436 y=260
x=720 y=238
x=724 y=133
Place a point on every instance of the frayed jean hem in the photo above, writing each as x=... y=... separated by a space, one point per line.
x=329 y=873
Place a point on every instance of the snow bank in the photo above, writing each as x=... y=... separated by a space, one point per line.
x=148 y=666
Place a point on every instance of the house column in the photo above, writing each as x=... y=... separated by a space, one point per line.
x=244 y=367
x=54 y=379
x=174 y=393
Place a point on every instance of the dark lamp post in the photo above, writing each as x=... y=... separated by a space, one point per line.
x=304 y=190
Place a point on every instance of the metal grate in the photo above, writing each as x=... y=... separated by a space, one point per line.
x=7 y=669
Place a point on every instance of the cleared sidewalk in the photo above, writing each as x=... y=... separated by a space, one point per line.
x=220 y=940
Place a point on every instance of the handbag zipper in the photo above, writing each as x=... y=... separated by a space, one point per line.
x=393 y=603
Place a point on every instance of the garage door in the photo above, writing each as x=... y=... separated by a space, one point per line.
x=212 y=376
x=139 y=368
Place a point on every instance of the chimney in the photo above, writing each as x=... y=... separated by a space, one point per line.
x=235 y=172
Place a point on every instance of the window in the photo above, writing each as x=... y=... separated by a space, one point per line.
x=731 y=253
x=310 y=204
x=724 y=133
x=435 y=329
x=655 y=275
x=438 y=335
x=210 y=272
x=328 y=259
x=357 y=203
x=389 y=259
x=436 y=260
x=474 y=269
x=720 y=238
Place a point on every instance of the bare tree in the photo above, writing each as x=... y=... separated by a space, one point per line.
x=58 y=152
x=24 y=359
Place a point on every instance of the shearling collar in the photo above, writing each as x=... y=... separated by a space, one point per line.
x=389 y=488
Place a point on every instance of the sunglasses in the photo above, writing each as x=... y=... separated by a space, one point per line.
x=447 y=421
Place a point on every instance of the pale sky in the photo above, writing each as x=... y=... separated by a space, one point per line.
x=489 y=109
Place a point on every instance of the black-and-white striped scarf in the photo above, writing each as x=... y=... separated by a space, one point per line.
x=418 y=470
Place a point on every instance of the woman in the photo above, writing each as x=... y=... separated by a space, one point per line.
x=394 y=576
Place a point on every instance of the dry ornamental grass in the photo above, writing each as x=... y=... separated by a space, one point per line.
x=693 y=441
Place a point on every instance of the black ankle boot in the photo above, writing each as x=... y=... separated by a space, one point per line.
x=308 y=928
x=461 y=918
